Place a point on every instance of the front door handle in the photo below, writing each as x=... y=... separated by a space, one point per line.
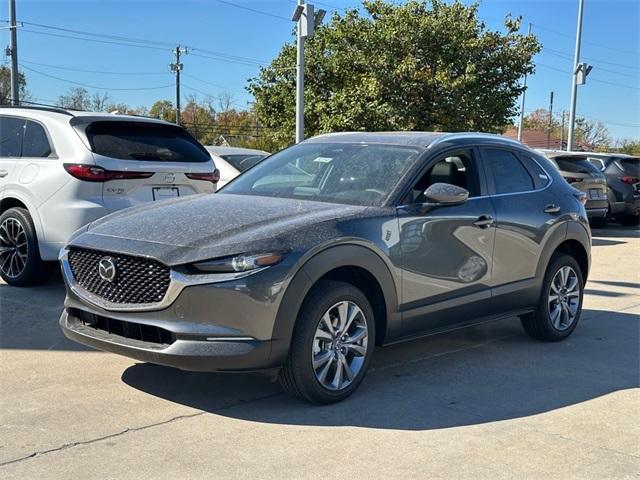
x=3 y=173
x=551 y=208
x=484 y=221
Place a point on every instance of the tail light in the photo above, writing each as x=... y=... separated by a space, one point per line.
x=90 y=173
x=213 y=177
x=629 y=180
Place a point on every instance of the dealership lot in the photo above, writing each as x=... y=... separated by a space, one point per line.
x=485 y=402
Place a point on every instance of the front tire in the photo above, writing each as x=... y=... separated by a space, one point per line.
x=332 y=344
x=560 y=302
x=20 y=263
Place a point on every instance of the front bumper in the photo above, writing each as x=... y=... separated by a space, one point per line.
x=222 y=326
x=186 y=354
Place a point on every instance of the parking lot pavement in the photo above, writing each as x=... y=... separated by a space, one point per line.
x=485 y=402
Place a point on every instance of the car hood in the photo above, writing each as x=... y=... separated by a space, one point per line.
x=210 y=226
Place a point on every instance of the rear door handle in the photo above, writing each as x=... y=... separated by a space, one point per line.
x=551 y=208
x=3 y=173
x=484 y=221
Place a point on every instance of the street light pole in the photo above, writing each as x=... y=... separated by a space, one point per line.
x=300 y=78
x=574 y=78
x=13 y=48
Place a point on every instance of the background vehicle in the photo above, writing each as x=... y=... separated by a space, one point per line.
x=623 y=181
x=61 y=169
x=232 y=161
x=333 y=245
x=576 y=169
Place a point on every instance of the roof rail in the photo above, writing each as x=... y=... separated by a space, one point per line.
x=64 y=111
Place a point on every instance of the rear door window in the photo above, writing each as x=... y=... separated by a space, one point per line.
x=35 y=143
x=144 y=142
x=508 y=173
x=11 y=133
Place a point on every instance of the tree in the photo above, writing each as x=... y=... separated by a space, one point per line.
x=539 y=120
x=5 y=85
x=98 y=102
x=423 y=65
x=77 y=98
x=199 y=120
x=592 y=133
x=164 y=110
x=630 y=147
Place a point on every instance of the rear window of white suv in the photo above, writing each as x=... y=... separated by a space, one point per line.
x=145 y=142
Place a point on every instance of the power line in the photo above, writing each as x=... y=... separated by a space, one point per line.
x=110 y=42
x=254 y=10
x=92 y=86
x=93 y=34
x=606 y=47
x=550 y=67
x=561 y=54
x=213 y=84
x=91 y=71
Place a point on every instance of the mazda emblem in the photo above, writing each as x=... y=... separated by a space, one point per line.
x=107 y=269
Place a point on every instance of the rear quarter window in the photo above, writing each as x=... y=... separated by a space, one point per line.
x=35 y=143
x=144 y=142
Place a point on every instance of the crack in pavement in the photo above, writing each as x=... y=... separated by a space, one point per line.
x=135 y=429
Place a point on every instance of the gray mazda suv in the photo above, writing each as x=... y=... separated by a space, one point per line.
x=320 y=252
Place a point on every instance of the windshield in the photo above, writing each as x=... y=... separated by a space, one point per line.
x=242 y=162
x=355 y=174
x=144 y=141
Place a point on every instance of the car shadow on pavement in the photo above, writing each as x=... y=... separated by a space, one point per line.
x=29 y=316
x=482 y=374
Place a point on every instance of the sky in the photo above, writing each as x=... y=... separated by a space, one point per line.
x=230 y=42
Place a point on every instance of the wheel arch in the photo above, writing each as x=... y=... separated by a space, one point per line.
x=356 y=264
x=576 y=242
x=14 y=200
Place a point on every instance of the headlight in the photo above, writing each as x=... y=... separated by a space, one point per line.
x=241 y=263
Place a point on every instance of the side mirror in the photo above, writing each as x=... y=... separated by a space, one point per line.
x=446 y=194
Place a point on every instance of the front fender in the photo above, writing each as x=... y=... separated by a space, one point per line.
x=312 y=269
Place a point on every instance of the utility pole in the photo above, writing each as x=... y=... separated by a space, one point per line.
x=308 y=20
x=574 y=78
x=13 y=50
x=550 y=120
x=524 y=92
x=176 y=67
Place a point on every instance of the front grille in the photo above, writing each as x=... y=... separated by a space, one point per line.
x=137 y=280
x=121 y=328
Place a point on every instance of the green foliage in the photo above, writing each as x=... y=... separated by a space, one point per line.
x=5 y=85
x=422 y=65
x=630 y=147
x=164 y=110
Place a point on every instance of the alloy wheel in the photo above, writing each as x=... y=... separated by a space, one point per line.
x=14 y=248
x=564 y=298
x=340 y=346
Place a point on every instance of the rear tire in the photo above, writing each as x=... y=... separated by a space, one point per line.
x=560 y=303
x=20 y=263
x=318 y=349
